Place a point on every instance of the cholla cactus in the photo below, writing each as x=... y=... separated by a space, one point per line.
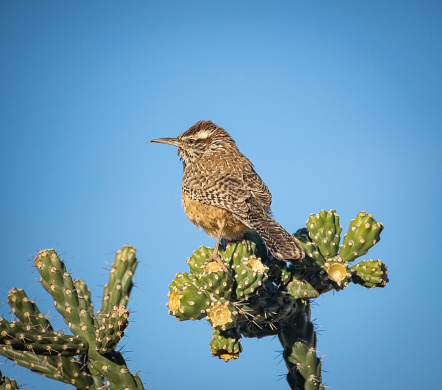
x=261 y=296
x=321 y=242
x=7 y=383
x=86 y=358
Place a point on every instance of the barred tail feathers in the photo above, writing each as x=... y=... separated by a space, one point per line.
x=280 y=243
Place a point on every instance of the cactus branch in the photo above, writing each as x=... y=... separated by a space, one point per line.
x=86 y=358
x=260 y=296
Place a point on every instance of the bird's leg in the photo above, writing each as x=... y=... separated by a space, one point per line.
x=215 y=255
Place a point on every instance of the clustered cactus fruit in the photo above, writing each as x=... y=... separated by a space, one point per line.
x=86 y=358
x=261 y=296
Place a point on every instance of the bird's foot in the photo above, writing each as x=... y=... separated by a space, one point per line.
x=215 y=258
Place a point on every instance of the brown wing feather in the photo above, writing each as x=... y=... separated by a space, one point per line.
x=257 y=186
x=235 y=185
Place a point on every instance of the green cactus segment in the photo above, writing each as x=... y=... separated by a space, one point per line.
x=324 y=230
x=111 y=329
x=58 y=282
x=187 y=298
x=211 y=277
x=298 y=338
x=216 y=284
x=84 y=296
x=312 y=254
x=249 y=276
x=117 y=290
x=222 y=314
x=301 y=289
x=364 y=232
x=115 y=371
x=304 y=367
x=27 y=338
x=370 y=273
x=197 y=262
x=285 y=276
x=226 y=344
x=236 y=252
x=7 y=384
x=27 y=311
x=64 y=369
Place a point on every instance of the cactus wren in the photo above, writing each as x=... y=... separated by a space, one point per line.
x=223 y=194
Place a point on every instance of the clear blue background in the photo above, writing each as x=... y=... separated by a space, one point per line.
x=337 y=103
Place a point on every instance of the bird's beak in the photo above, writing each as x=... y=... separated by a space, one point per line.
x=168 y=141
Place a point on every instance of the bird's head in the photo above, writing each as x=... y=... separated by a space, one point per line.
x=203 y=137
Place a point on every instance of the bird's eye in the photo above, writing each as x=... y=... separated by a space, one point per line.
x=191 y=141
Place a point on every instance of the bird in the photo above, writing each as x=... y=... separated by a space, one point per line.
x=222 y=193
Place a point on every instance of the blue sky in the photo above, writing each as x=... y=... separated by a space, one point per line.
x=337 y=103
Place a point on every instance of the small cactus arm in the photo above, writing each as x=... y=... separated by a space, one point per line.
x=87 y=359
x=7 y=383
x=260 y=296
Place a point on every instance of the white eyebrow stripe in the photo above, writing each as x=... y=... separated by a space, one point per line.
x=205 y=134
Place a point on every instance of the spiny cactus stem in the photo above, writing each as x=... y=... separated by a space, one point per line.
x=112 y=368
x=6 y=383
x=27 y=311
x=32 y=343
x=118 y=289
x=262 y=296
x=27 y=338
x=72 y=372
x=298 y=338
x=58 y=283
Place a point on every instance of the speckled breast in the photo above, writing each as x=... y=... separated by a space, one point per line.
x=209 y=218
